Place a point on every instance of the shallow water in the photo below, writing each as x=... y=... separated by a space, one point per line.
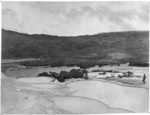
x=114 y=95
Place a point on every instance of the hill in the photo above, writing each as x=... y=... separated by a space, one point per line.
x=117 y=47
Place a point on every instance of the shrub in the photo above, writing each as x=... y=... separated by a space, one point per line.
x=43 y=74
x=139 y=64
x=61 y=78
x=64 y=74
x=76 y=73
x=54 y=74
x=85 y=65
x=97 y=70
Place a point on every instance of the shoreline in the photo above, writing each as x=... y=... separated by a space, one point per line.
x=113 y=82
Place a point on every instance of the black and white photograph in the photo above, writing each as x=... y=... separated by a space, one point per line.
x=74 y=57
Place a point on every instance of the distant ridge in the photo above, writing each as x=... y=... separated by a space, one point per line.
x=79 y=35
x=102 y=47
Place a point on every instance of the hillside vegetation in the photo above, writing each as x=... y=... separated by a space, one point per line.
x=103 y=48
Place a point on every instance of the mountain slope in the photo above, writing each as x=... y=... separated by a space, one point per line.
x=104 y=47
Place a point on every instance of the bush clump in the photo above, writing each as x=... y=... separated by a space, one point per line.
x=44 y=74
x=85 y=65
x=97 y=70
x=139 y=64
x=74 y=73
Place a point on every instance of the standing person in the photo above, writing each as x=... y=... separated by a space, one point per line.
x=85 y=71
x=144 y=77
x=85 y=74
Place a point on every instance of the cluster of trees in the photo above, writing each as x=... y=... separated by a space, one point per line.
x=57 y=63
x=62 y=62
x=112 y=71
x=139 y=64
x=74 y=73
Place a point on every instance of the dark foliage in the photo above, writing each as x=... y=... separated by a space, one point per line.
x=112 y=71
x=74 y=73
x=64 y=74
x=54 y=74
x=97 y=70
x=44 y=74
x=139 y=64
x=85 y=65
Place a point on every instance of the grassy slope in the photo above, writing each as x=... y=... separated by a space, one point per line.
x=104 y=47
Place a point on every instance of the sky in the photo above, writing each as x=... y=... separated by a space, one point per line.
x=74 y=18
